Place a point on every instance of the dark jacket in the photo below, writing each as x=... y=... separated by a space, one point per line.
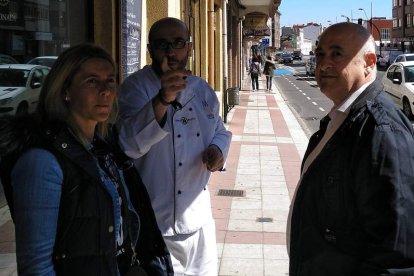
x=354 y=209
x=85 y=246
x=268 y=68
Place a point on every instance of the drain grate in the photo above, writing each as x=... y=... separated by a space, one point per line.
x=264 y=219
x=233 y=193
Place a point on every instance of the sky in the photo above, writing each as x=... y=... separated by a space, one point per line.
x=321 y=11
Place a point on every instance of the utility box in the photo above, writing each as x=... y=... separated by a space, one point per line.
x=233 y=96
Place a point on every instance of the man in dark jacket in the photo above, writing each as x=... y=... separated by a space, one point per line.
x=353 y=209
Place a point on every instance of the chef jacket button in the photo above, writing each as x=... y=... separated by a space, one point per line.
x=191 y=109
x=198 y=134
x=110 y=229
x=64 y=145
x=179 y=135
x=180 y=164
x=179 y=192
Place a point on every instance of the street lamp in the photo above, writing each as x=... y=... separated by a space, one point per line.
x=366 y=16
x=347 y=18
x=372 y=25
x=362 y=9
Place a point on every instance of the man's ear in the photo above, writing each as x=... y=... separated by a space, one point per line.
x=370 y=60
x=189 y=48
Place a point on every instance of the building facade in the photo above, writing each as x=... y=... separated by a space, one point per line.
x=403 y=25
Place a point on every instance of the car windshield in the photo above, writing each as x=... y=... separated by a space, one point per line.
x=409 y=73
x=13 y=77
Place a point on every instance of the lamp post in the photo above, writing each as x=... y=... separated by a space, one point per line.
x=347 y=18
x=366 y=16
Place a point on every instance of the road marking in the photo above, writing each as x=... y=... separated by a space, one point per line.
x=321 y=109
x=314 y=103
x=308 y=98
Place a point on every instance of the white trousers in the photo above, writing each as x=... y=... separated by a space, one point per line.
x=196 y=253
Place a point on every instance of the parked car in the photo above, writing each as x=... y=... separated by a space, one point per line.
x=43 y=60
x=404 y=57
x=378 y=58
x=310 y=66
x=389 y=58
x=20 y=86
x=286 y=58
x=297 y=54
x=398 y=82
x=6 y=59
x=277 y=56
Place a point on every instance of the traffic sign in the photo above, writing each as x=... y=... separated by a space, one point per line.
x=265 y=41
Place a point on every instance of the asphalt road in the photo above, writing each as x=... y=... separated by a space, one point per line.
x=303 y=96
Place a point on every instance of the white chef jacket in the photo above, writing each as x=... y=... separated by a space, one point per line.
x=169 y=159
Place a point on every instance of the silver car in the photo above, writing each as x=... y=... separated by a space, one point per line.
x=310 y=66
x=43 y=60
x=398 y=82
x=20 y=86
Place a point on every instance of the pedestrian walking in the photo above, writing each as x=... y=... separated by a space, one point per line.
x=69 y=180
x=254 y=72
x=353 y=208
x=170 y=124
x=268 y=71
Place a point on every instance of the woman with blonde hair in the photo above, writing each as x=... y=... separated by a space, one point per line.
x=69 y=184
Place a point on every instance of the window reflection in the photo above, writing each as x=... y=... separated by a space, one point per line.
x=34 y=28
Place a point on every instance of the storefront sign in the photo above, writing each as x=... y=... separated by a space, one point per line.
x=256 y=32
x=255 y=24
x=131 y=36
x=11 y=13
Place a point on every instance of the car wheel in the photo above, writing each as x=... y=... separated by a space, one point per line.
x=407 y=109
x=22 y=109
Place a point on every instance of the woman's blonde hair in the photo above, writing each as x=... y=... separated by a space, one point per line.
x=52 y=105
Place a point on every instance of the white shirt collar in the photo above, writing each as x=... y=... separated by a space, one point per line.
x=347 y=103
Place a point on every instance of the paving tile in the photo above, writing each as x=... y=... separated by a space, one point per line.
x=247 y=214
x=275 y=226
x=245 y=225
x=278 y=238
x=246 y=203
x=276 y=267
x=7 y=263
x=7 y=238
x=244 y=237
x=243 y=251
x=4 y=214
x=241 y=267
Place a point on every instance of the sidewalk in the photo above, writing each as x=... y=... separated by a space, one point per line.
x=251 y=199
x=263 y=165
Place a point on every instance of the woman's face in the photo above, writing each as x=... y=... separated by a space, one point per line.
x=91 y=94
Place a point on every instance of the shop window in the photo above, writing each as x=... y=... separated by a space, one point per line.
x=32 y=28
